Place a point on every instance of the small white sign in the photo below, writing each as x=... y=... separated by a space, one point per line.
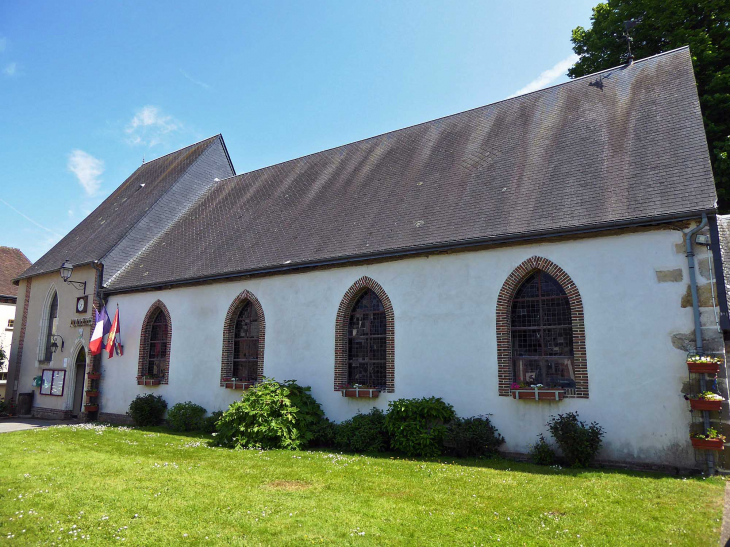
x=65 y=362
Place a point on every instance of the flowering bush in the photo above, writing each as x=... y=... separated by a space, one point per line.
x=711 y=434
x=704 y=359
x=710 y=396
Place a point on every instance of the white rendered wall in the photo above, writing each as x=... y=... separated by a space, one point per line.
x=445 y=341
x=7 y=312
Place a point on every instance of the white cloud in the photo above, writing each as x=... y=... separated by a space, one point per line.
x=11 y=69
x=549 y=76
x=198 y=82
x=87 y=169
x=150 y=127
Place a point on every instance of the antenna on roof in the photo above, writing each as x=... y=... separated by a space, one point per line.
x=629 y=25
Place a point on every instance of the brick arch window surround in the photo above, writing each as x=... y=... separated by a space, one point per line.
x=540 y=289
x=244 y=335
x=367 y=348
x=155 y=343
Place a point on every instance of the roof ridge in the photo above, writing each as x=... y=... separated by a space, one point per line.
x=454 y=114
x=181 y=149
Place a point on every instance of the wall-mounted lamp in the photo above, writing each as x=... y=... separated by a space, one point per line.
x=54 y=344
x=66 y=270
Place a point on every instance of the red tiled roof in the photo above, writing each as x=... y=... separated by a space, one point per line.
x=12 y=263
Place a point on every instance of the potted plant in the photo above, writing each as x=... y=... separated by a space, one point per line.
x=92 y=392
x=148 y=380
x=536 y=392
x=711 y=440
x=93 y=375
x=703 y=364
x=707 y=400
x=360 y=390
x=91 y=407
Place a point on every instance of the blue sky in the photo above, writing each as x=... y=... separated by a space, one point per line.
x=87 y=89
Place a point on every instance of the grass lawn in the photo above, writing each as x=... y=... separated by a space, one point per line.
x=100 y=485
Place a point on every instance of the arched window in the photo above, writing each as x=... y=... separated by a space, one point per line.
x=542 y=333
x=365 y=338
x=157 y=353
x=366 y=354
x=541 y=336
x=246 y=344
x=155 y=344
x=244 y=333
x=51 y=327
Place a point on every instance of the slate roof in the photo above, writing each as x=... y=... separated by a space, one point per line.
x=12 y=263
x=98 y=233
x=622 y=146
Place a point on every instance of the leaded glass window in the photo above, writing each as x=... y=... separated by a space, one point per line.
x=542 y=334
x=366 y=337
x=159 y=339
x=246 y=344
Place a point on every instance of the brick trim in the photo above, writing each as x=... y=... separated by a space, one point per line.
x=229 y=324
x=504 y=338
x=21 y=342
x=144 y=341
x=341 y=324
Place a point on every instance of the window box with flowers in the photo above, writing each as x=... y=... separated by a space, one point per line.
x=237 y=383
x=357 y=391
x=92 y=393
x=707 y=400
x=536 y=392
x=148 y=380
x=94 y=375
x=711 y=440
x=703 y=364
x=91 y=407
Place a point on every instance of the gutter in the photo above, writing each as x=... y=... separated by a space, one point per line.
x=414 y=251
x=693 y=284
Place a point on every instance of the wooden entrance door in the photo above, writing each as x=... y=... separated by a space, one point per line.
x=79 y=384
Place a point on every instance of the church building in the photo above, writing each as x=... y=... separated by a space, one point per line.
x=557 y=251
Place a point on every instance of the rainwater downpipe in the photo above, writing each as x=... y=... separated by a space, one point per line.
x=698 y=328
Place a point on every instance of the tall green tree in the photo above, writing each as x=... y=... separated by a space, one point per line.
x=704 y=25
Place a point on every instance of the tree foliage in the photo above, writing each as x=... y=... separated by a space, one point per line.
x=704 y=25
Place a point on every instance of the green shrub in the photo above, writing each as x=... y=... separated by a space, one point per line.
x=186 y=417
x=417 y=426
x=578 y=442
x=469 y=437
x=147 y=409
x=541 y=452
x=270 y=415
x=363 y=433
x=210 y=421
x=323 y=433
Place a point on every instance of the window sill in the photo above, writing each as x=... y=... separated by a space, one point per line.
x=358 y=392
x=708 y=444
x=538 y=394
x=148 y=381
x=701 y=404
x=230 y=384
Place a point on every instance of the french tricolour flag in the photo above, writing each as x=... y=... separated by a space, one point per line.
x=103 y=325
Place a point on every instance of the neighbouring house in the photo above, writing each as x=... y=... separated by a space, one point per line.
x=12 y=263
x=542 y=239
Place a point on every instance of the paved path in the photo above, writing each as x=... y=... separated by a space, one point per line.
x=19 y=424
